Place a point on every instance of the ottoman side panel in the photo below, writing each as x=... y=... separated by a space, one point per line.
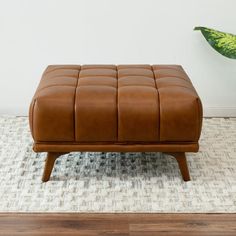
x=53 y=115
x=180 y=105
x=180 y=118
x=52 y=108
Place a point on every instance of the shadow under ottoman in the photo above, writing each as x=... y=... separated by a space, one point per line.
x=108 y=108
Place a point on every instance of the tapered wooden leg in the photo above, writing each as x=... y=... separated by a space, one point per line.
x=50 y=160
x=183 y=166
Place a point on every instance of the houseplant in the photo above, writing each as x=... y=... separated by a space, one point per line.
x=224 y=43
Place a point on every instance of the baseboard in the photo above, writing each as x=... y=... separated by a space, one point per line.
x=219 y=112
x=207 y=111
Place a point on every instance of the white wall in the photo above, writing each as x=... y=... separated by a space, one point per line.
x=35 y=33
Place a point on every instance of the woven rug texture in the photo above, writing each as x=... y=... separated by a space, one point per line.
x=118 y=182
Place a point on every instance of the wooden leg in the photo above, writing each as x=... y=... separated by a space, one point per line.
x=50 y=160
x=183 y=166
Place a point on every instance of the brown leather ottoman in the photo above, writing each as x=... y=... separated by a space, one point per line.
x=108 y=108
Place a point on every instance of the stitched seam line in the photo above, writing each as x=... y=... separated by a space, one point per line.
x=98 y=68
x=117 y=111
x=159 y=105
x=172 y=76
x=93 y=76
x=32 y=117
x=168 y=86
x=199 y=108
x=135 y=75
x=59 y=68
x=197 y=127
x=169 y=68
x=115 y=143
x=55 y=85
x=76 y=86
x=59 y=76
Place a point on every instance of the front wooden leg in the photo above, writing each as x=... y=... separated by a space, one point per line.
x=50 y=160
x=183 y=166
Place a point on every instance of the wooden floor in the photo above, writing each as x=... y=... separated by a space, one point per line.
x=118 y=224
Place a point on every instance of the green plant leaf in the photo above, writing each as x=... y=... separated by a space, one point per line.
x=224 y=43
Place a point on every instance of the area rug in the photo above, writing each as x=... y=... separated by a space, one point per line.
x=118 y=182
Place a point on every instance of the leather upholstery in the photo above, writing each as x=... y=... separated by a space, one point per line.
x=124 y=104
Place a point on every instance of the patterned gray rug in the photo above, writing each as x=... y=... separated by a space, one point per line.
x=118 y=182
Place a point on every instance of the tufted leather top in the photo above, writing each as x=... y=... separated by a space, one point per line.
x=118 y=104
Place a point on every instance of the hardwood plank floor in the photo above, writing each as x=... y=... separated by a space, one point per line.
x=117 y=224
